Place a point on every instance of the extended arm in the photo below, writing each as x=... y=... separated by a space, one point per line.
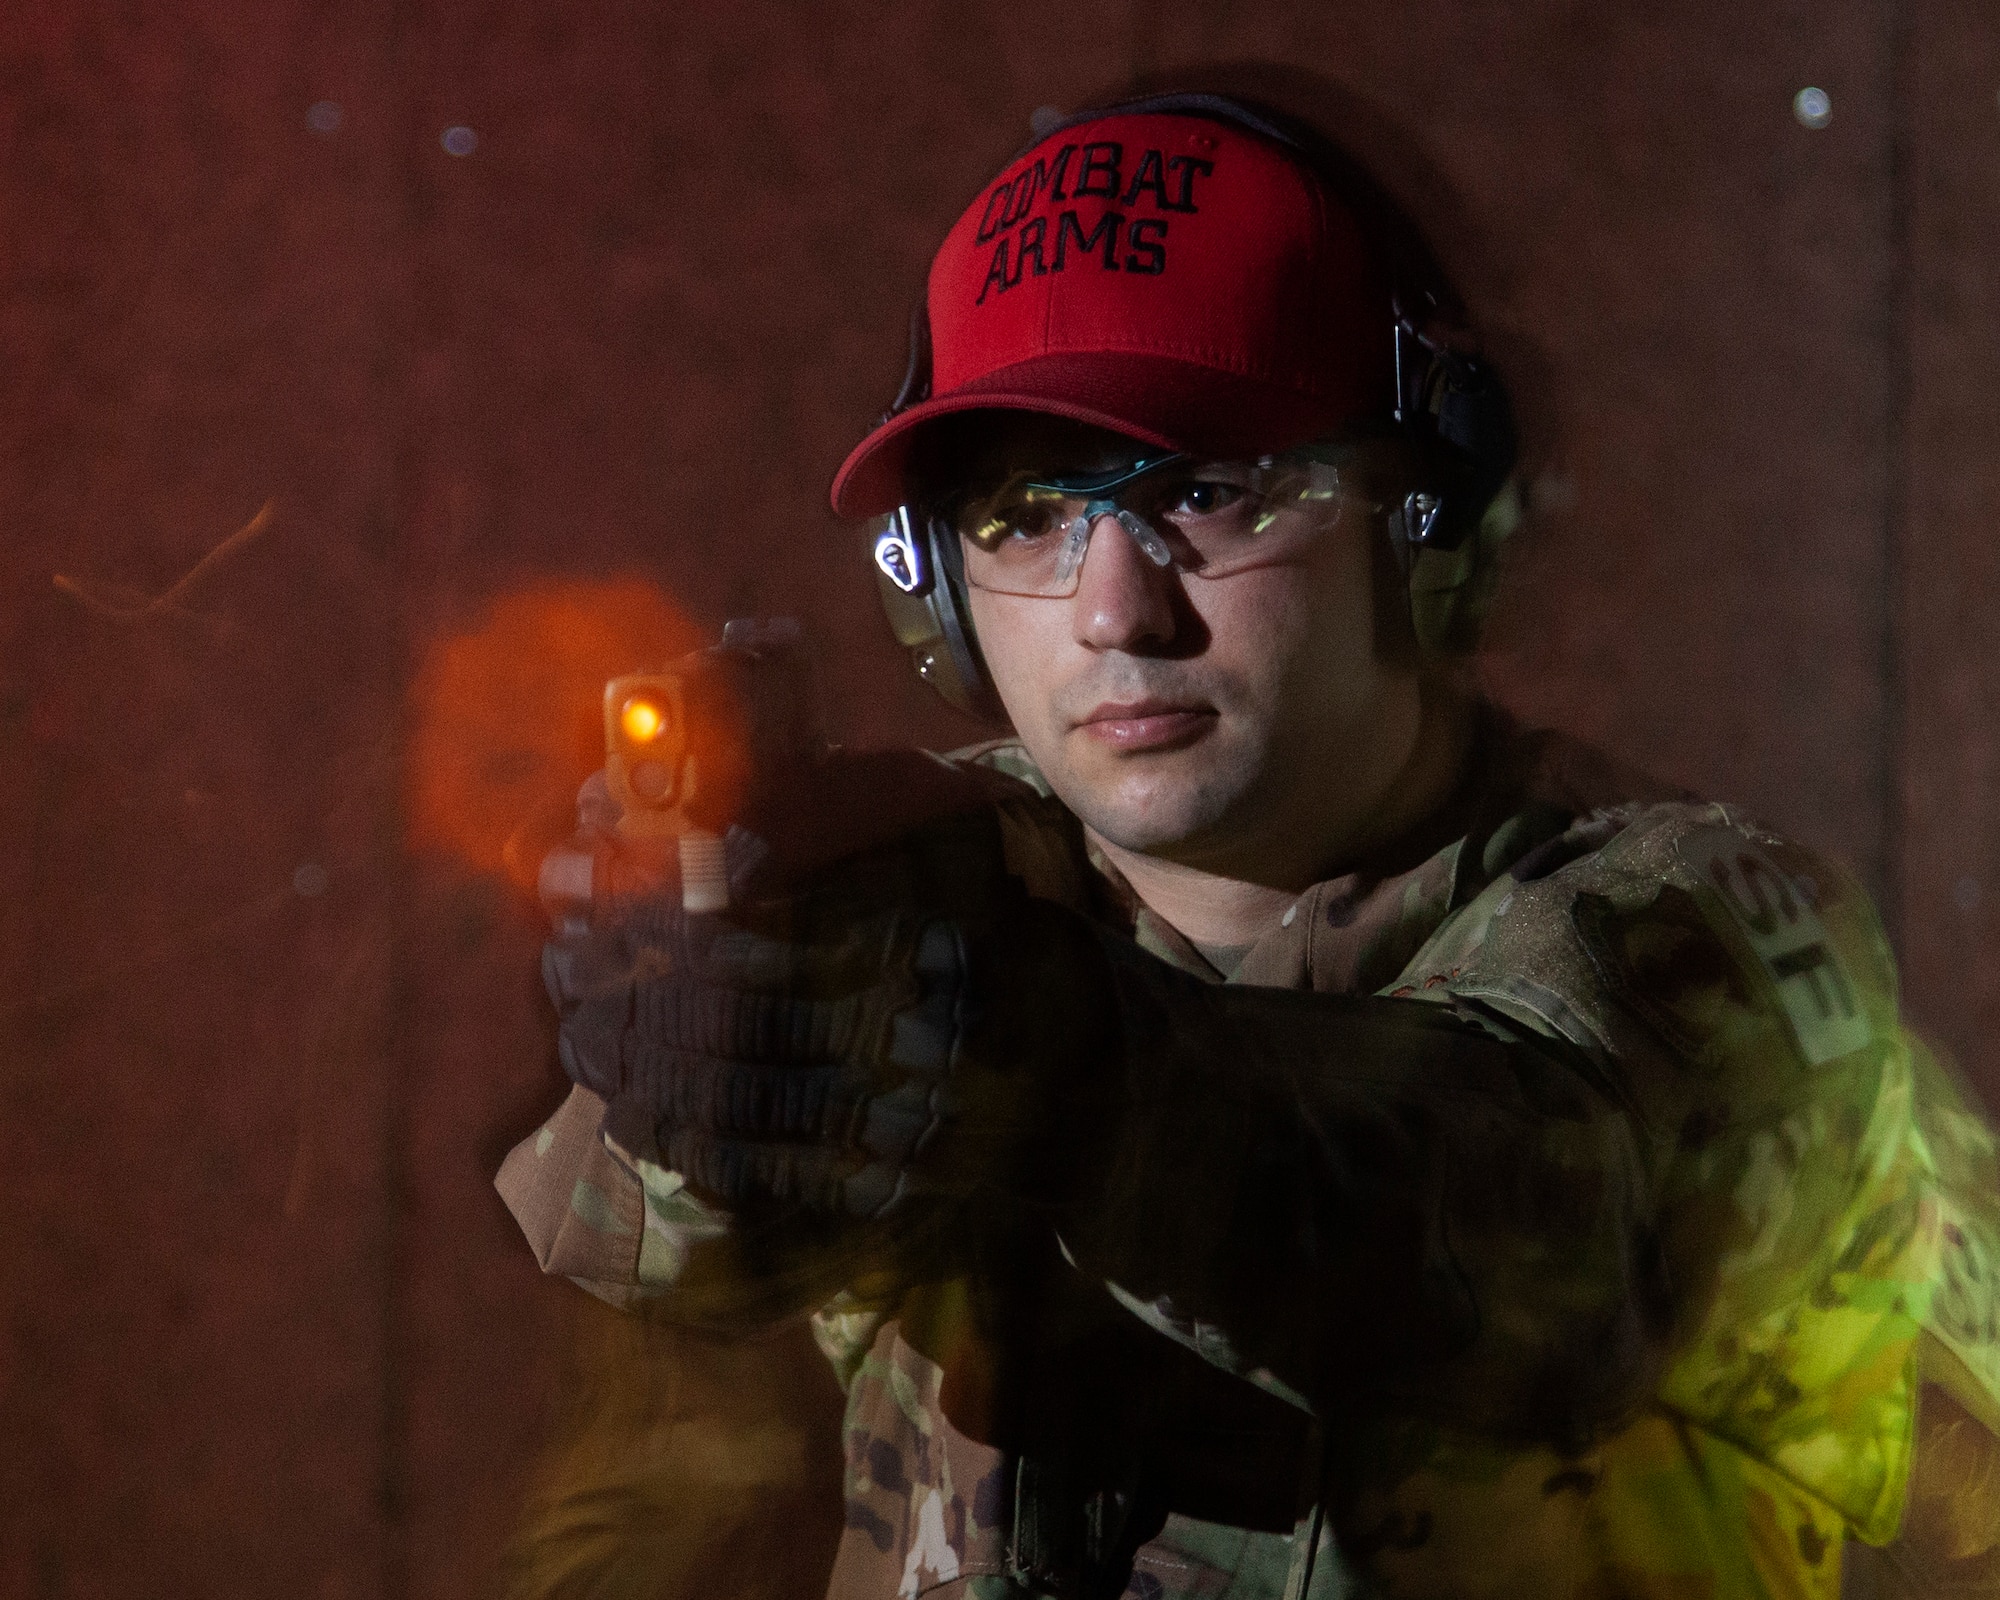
x=1377 y=1202
x=1388 y=1204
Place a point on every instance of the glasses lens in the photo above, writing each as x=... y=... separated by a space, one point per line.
x=1017 y=540
x=1227 y=516
x=1028 y=538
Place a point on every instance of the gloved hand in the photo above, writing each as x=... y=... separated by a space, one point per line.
x=909 y=1026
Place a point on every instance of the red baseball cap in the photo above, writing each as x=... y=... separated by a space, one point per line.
x=1169 y=276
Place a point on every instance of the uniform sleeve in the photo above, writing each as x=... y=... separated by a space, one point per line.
x=1824 y=1194
x=1961 y=1163
x=616 y=1224
x=582 y=1212
x=1373 y=1206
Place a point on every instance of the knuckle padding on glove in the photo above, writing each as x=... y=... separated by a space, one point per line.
x=750 y=1025
x=830 y=1103
x=733 y=1097
x=804 y=1050
x=802 y=961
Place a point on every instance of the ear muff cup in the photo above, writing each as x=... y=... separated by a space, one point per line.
x=920 y=574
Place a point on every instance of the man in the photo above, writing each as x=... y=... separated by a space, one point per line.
x=1281 y=1130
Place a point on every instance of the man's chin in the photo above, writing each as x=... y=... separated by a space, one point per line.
x=1157 y=813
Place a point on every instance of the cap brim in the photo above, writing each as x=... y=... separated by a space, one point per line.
x=1161 y=401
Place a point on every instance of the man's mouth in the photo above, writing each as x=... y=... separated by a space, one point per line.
x=1146 y=724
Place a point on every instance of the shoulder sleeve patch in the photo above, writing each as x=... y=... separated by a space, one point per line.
x=1665 y=964
x=1773 y=915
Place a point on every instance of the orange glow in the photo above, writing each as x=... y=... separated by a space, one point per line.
x=507 y=717
x=641 y=720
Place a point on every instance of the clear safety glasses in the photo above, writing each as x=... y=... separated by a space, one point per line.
x=1029 y=536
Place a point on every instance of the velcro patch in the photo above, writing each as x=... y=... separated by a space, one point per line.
x=1774 y=916
x=1666 y=963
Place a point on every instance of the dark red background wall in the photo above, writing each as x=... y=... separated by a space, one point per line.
x=262 y=1040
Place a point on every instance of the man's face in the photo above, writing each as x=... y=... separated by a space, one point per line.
x=1198 y=719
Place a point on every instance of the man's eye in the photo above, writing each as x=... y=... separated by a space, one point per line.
x=1205 y=498
x=1012 y=523
x=1032 y=521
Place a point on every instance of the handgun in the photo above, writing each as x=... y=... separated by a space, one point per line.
x=686 y=748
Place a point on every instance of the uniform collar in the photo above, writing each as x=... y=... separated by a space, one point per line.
x=1521 y=790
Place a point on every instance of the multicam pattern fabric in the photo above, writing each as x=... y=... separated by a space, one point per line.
x=922 y=1499
x=624 y=1228
x=936 y=1512
x=1830 y=1199
x=1826 y=1189
x=1961 y=1159
x=582 y=1210
x=1660 y=1511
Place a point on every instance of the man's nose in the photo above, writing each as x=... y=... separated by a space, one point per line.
x=1123 y=601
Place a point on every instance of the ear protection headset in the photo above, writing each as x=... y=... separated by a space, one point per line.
x=1451 y=411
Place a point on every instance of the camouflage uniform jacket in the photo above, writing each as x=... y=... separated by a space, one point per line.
x=1826 y=1197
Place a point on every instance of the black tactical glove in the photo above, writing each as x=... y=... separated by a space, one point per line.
x=911 y=1026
